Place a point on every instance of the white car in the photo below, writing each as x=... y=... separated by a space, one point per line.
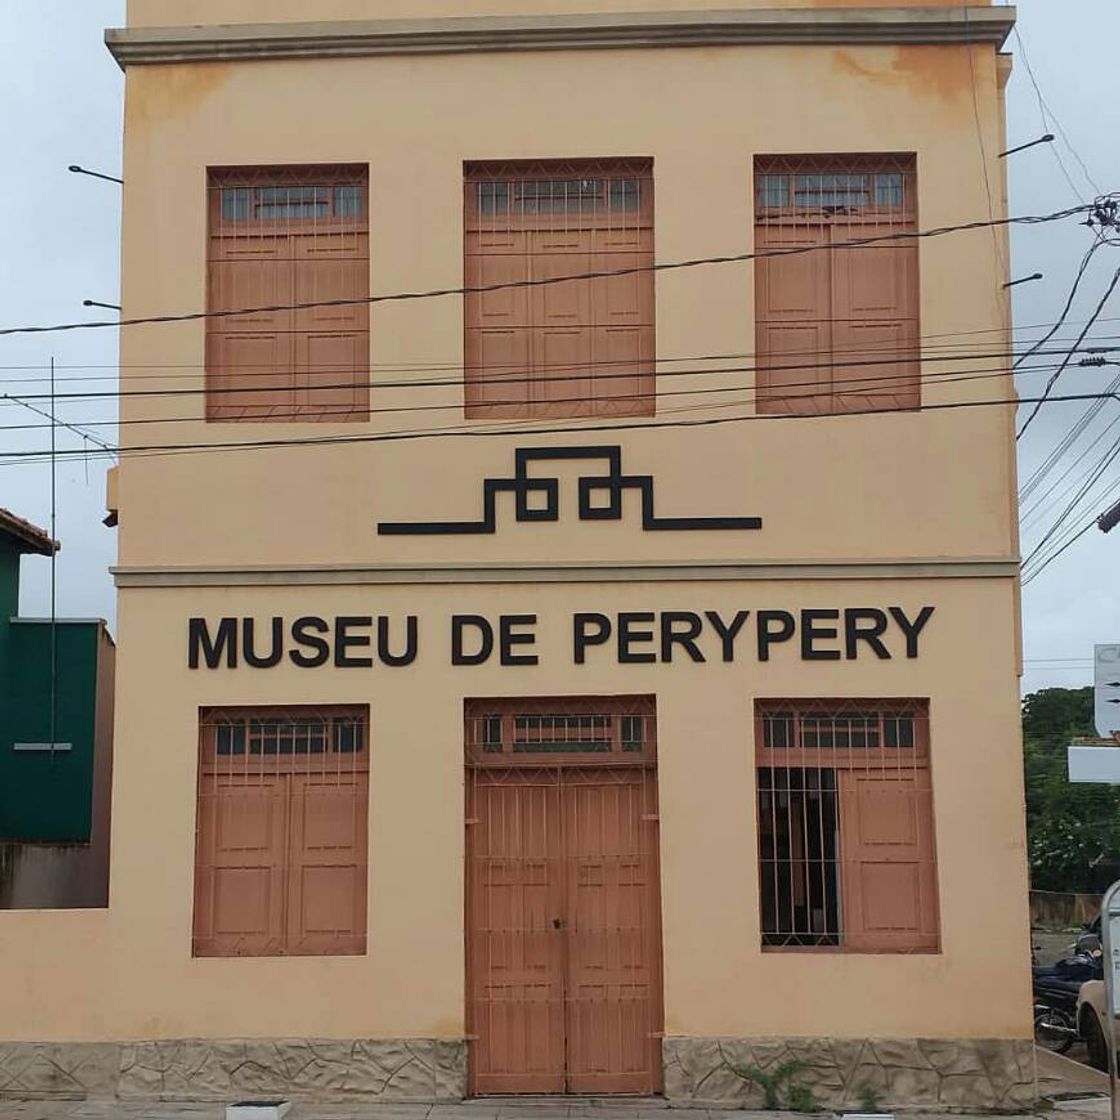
x=1091 y=1022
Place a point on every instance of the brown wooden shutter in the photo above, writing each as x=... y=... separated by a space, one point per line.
x=889 y=884
x=309 y=363
x=793 y=298
x=240 y=882
x=837 y=329
x=327 y=872
x=571 y=348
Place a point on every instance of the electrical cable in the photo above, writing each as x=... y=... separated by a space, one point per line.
x=875 y=384
x=544 y=378
x=1043 y=504
x=1046 y=112
x=588 y=429
x=1098 y=470
x=436 y=293
x=1067 y=441
x=1085 y=262
x=1061 y=369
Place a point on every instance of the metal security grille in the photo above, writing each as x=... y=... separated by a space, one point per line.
x=563 y=910
x=280 y=857
x=580 y=348
x=836 y=331
x=845 y=825
x=281 y=236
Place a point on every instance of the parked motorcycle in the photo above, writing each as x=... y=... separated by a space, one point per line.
x=1056 y=989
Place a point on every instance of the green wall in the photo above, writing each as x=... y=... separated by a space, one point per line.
x=45 y=797
x=9 y=603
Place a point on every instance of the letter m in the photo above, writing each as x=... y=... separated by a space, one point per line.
x=212 y=650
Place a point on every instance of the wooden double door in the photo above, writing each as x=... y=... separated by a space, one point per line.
x=563 y=929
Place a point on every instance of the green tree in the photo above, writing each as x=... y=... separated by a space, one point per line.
x=1073 y=831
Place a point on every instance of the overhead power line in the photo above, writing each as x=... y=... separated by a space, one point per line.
x=876 y=384
x=1069 y=357
x=474 y=432
x=436 y=293
x=566 y=373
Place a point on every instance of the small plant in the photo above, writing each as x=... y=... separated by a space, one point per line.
x=801 y=1098
x=798 y=1097
x=869 y=1099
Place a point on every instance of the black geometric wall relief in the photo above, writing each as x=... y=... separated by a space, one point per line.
x=538 y=499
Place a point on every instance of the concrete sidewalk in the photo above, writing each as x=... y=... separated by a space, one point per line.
x=1093 y=1108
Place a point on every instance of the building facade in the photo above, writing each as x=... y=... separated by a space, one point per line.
x=56 y=744
x=568 y=576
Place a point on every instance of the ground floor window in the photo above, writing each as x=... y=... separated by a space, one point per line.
x=280 y=857
x=845 y=825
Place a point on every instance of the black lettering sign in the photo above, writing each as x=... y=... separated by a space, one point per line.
x=628 y=636
x=305 y=633
x=344 y=641
x=773 y=627
x=385 y=654
x=508 y=638
x=865 y=624
x=588 y=630
x=727 y=634
x=912 y=629
x=249 y=644
x=812 y=632
x=484 y=638
x=200 y=644
x=681 y=628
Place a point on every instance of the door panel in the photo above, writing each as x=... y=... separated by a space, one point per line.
x=613 y=968
x=516 y=992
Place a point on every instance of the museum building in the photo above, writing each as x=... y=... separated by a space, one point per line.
x=568 y=576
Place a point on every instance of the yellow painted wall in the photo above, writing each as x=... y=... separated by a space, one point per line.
x=128 y=973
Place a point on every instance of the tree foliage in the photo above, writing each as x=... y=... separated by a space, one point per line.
x=1073 y=831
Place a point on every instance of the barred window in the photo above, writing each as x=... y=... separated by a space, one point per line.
x=281 y=237
x=280 y=855
x=837 y=328
x=845 y=826
x=577 y=348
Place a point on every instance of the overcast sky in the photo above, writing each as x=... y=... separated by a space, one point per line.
x=60 y=103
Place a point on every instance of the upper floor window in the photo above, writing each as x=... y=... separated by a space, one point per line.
x=579 y=347
x=281 y=237
x=836 y=328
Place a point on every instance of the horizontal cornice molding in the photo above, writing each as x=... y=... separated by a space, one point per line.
x=719 y=27
x=684 y=572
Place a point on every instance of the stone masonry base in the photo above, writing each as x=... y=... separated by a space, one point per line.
x=413 y=1069
x=937 y=1074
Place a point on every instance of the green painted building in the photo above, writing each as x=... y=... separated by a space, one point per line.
x=56 y=715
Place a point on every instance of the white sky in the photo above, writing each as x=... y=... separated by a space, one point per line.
x=60 y=103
